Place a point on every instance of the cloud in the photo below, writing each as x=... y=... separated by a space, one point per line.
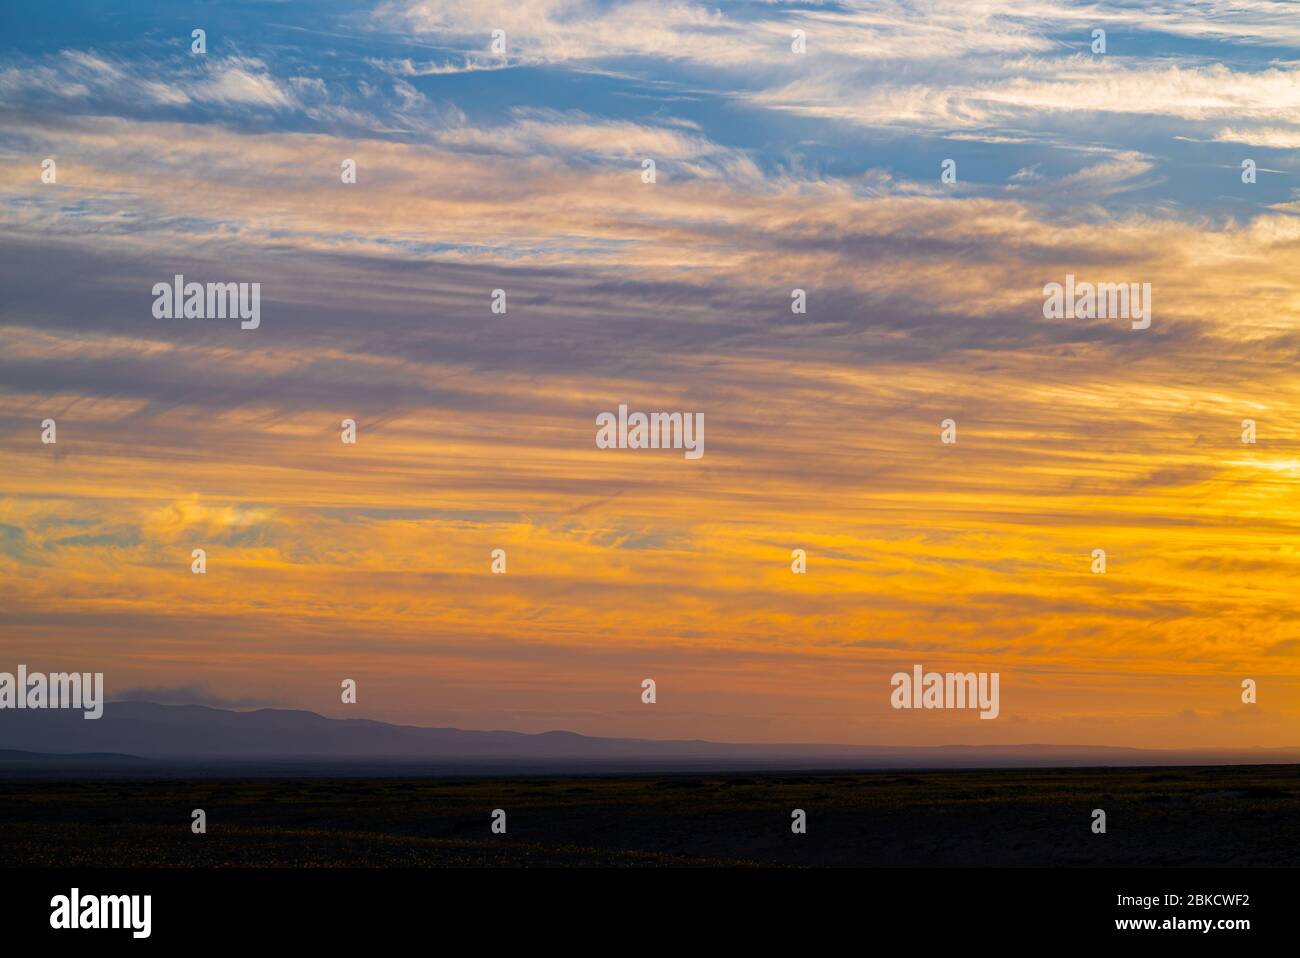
x=1033 y=90
x=572 y=138
x=1274 y=138
x=476 y=430
x=555 y=31
x=237 y=80
x=88 y=75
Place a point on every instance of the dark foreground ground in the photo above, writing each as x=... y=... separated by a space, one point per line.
x=1233 y=816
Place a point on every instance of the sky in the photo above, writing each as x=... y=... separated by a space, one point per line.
x=775 y=170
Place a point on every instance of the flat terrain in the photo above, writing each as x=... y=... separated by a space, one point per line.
x=1234 y=816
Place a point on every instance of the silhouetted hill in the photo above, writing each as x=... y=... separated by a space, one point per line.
x=198 y=732
x=13 y=756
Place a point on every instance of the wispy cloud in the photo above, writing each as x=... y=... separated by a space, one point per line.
x=817 y=171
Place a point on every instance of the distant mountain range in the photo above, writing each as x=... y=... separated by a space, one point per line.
x=201 y=739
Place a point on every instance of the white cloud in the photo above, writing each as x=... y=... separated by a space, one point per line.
x=1272 y=137
x=236 y=80
x=1185 y=93
x=81 y=74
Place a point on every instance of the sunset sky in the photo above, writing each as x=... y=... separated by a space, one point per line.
x=476 y=431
